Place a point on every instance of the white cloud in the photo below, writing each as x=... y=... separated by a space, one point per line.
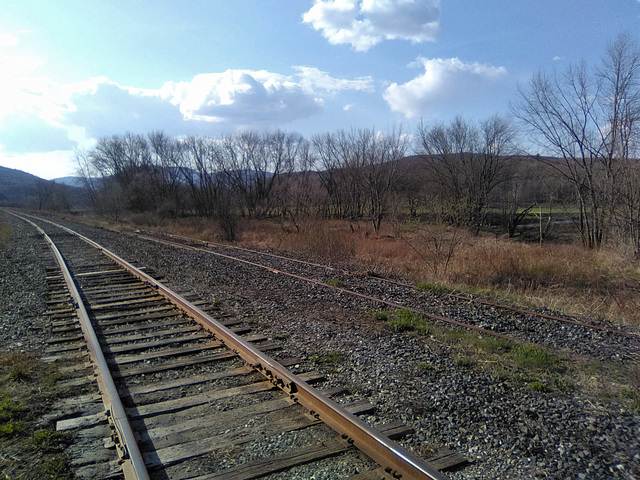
x=242 y=98
x=348 y=107
x=8 y=40
x=445 y=83
x=207 y=104
x=366 y=23
x=313 y=80
x=38 y=115
x=105 y=108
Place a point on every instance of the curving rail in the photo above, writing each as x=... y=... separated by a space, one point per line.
x=396 y=461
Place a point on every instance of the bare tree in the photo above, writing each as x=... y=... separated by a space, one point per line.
x=467 y=162
x=589 y=119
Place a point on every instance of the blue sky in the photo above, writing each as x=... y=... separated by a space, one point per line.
x=73 y=71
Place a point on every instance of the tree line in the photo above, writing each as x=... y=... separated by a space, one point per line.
x=465 y=173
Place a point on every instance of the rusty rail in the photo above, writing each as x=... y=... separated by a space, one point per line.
x=395 y=460
x=133 y=464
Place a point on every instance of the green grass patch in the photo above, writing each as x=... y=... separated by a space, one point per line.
x=465 y=362
x=380 y=315
x=425 y=367
x=50 y=441
x=334 y=282
x=9 y=409
x=531 y=357
x=432 y=287
x=10 y=428
x=405 y=320
x=334 y=356
x=28 y=451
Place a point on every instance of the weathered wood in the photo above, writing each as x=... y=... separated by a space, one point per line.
x=114 y=338
x=104 y=471
x=82 y=422
x=169 y=406
x=148 y=311
x=271 y=465
x=177 y=404
x=173 y=433
x=169 y=352
x=163 y=342
x=444 y=459
x=183 y=382
x=194 y=448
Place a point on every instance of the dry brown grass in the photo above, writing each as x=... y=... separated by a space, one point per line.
x=563 y=277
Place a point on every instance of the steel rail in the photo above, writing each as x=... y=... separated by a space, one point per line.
x=133 y=465
x=481 y=301
x=396 y=460
x=363 y=296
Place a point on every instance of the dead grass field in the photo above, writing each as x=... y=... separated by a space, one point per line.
x=563 y=277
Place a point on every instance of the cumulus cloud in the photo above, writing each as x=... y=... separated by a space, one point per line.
x=242 y=97
x=60 y=117
x=445 y=83
x=105 y=108
x=365 y=23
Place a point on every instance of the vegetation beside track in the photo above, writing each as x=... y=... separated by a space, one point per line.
x=561 y=275
x=29 y=450
x=526 y=364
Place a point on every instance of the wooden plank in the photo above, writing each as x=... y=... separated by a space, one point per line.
x=183 y=382
x=174 y=405
x=173 y=432
x=170 y=352
x=121 y=287
x=162 y=342
x=185 y=362
x=129 y=304
x=164 y=313
x=81 y=422
x=360 y=407
x=114 y=338
x=115 y=316
x=271 y=465
x=207 y=444
x=445 y=459
x=307 y=454
x=178 y=404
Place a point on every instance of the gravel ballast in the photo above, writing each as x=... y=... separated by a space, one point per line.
x=507 y=429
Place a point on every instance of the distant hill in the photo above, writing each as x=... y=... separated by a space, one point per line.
x=17 y=187
x=21 y=189
x=70 y=181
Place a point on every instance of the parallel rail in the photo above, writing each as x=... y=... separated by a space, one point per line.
x=465 y=298
x=396 y=461
x=133 y=464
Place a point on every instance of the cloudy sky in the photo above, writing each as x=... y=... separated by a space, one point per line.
x=73 y=71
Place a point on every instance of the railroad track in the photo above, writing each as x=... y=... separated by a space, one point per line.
x=189 y=393
x=504 y=321
x=182 y=240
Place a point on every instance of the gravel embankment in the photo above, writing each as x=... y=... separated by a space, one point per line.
x=509 y=430
x=22 y=289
